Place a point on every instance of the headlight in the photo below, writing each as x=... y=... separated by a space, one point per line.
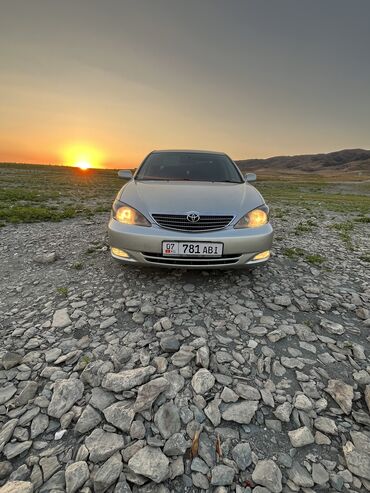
x=125 y=214
x=254 y=219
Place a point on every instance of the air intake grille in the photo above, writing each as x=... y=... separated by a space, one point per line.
x=179 y=222
x=158 y=258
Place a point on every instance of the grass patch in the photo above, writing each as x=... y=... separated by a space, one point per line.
x=293 y=253
x=29 y=214
x=85 y=359
x=343 y=226
x=365 y=258
x=312 y=197
x=78 y=265
x=62 y=291
x=19 y=194
x=94 y=247
x=345 y=230
x=32 y=193
x=311 y=258
x=304 y=227
x=363 y=219
x=315 y=259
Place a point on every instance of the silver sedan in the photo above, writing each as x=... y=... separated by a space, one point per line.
x=191 y=209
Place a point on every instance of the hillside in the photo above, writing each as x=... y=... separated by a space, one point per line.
x=355 y=162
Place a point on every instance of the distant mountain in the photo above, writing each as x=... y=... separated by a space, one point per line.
x=356 y=161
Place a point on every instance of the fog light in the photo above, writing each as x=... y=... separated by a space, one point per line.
x=262 y=255
x=119 y=253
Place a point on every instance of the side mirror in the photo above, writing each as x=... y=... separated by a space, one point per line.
x=125 y=173
x=250 y=177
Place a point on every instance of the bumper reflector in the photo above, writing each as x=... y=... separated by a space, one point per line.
x=262 y=255
x=119 y=253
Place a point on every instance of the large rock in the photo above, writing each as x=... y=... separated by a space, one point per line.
x=108 y=473
x=242 y=455
x=61 y=319
x=268 y=474
x=94 y=372
x=49 y=466
x=367 y=396
x=39 y=424
x=76 y=476
x=212 y=411
x=282 y=300
x=332 y=327
x=241 y=412
x=148 y=393
x=283 y=412
x=170 y=344
x=27 y=393
x=100 y=398
x=17 y=487
x=6 y=392
x=175 y=445
x=176 y=382
x=10 y=360
x=65 y=394
x=121 y=414
x=301 y=437
x=102 y=444
x=7 y=432
x=247 y=392
x=326 y=425
x=167 y=420
x=89 y=419
x=127 y=379
x=108 y=322
x=319 y=474
x=357 y=455
x=182 y=357
x=300 y=476
x=222 y=475
x=5 y=469
x=45 y=258
x=202 y=381
x=55 y=483
x=151 y=463
x=342 y=393
x=207 y=449
x=11 y=450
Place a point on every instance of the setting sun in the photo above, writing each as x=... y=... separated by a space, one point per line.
x=84 y=165
x=83 y=156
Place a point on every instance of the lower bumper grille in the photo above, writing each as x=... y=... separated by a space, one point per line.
x=179 y=222
x=158 y=258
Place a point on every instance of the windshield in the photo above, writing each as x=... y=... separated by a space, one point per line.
x=189 y=166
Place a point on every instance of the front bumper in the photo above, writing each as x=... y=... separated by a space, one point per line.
x=144 y=245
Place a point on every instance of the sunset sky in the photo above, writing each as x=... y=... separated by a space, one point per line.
x=108 y=81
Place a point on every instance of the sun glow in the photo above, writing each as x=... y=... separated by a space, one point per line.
x=83 y=156
x=84 y=165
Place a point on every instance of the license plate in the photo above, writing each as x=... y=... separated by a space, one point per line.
x=192 y=248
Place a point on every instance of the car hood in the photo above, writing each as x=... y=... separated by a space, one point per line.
x=181 y=197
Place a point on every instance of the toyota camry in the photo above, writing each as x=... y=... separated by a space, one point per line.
x=191 y=209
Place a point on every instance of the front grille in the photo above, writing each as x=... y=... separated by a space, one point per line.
x=158 y=258
x=179 y=222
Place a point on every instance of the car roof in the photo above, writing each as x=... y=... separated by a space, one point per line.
x=188 y=151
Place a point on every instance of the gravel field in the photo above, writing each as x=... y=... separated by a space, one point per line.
x=120 y=379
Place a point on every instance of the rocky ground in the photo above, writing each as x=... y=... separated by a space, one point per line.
x=145 y=380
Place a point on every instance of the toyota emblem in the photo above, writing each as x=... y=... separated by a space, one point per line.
x=192 y=217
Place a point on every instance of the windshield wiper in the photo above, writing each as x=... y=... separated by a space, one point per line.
x=187 y=179
x=152 y=179
x=226 y=181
